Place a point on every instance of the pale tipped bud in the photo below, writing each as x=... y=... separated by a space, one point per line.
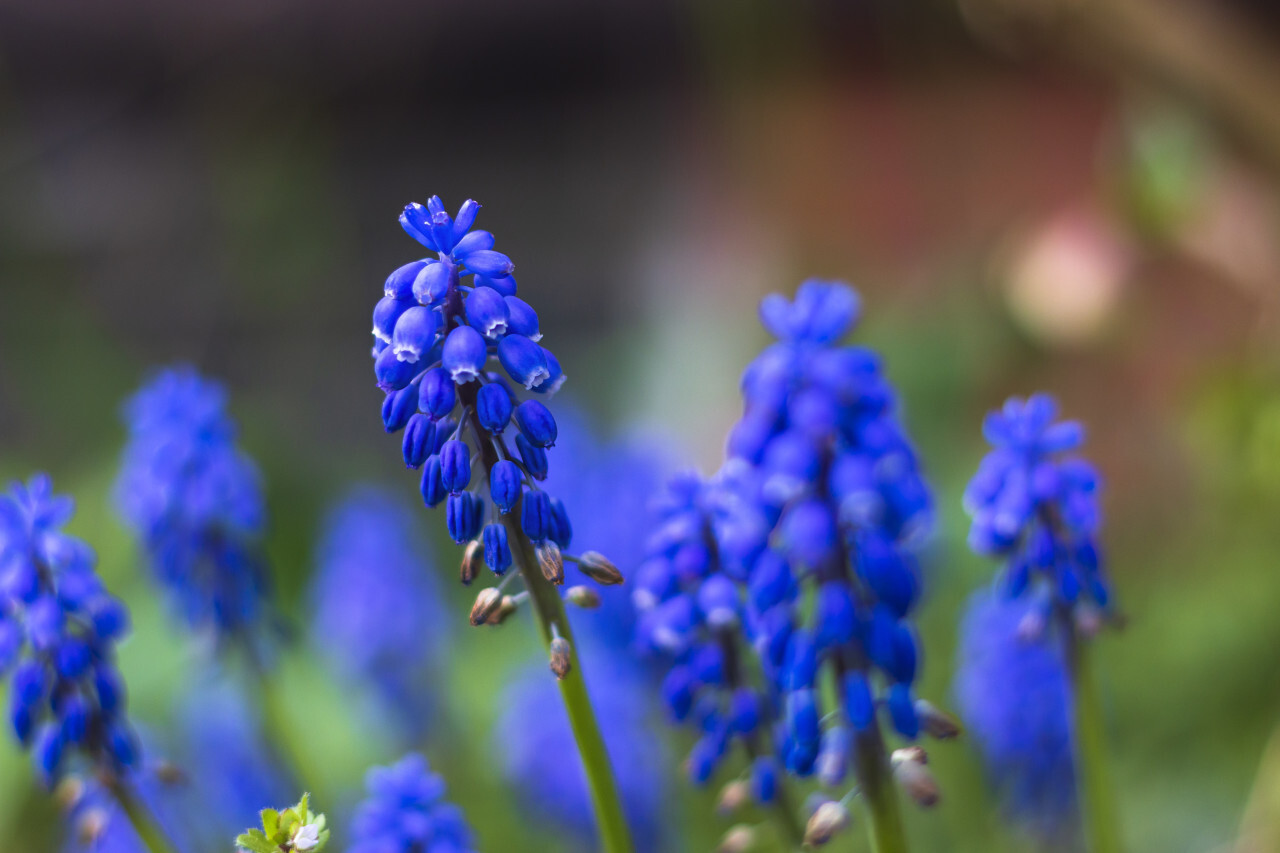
x=829 y=820
x=68 y=793
x=600 y=569
x=1089 y=620
x=911 y=772
x=472 y=562
x=733 y=796
x=499 y=614
x=170 y=774
x=487 y=601
x=582 y=596
x=739 y=839
x=936 y=722
x=559 y=651
x=551 y=561
x=91 y=826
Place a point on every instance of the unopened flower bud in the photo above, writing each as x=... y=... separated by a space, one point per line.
x=68 y=793
x=91 y=826
x=911 y=772
x=739 y=839
x=560 y=657
x=551 y=561
x=582 y=596
x=733 y=796
x=1089 y=619
x=936 y=722
x=472 y=562
x=830 y=819
x=599 y=568
x=486 y=602
x=499 y=614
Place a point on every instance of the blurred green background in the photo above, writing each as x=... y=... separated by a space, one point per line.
x=1074 y=197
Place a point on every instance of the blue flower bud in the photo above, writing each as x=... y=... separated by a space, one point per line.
x=770 y=582
x=473 y=242
x=109 y=617
x=524 y=360
x=419 y=440
x=10 y=644
x=497 y=553
x=505 y=285
x=559 y=530
x=400 y=283
x=802 y=717
x=902 y=711
x=489 y=263
x=536 y=423
x=833 y=756
x=414 y=334
x=764 y=780
x=744 y=710
x=801 y=666
x=533 y=458
x=464 y=220
x=859 y=705
x=808 y=532
x=677 y=692
x=718 y=601
x=21 y=580
x=800 y=757
x=23 y=721
x=464 y=514
x=493 y=408
x=667 y=626
x=436 y=393
x=433 y=490
x=464 y=355
x=398 y=407
x=455 y=466
x=434 y=282
x=72 y=658
x=504 y=485
x=109 y=687
x=47 y=752
x=445 y=430
x=535 y=514
x=392 y=373
x=385 y=316
x=74 y=716
x=123 y=746
x=487 y=312
x=416 y=221
x=708 y=664
x=44 y=622
x=889 y=573
x=522 y=319
x=30 y=683
x=834 y=617
x=555 y=376
x=702 y=760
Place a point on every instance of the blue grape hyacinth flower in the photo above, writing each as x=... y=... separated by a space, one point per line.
x=405 y=812
x=377 y=608
x=194 y=499
x=58 y=631
x=550 y=782
x=1013 y=691
x=1035 y=507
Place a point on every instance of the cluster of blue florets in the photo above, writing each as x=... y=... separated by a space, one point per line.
x=405 y=812
x=195 y=500
x=838 y=482
x=691 y=609
x=1036 y=508
x=58 y=630
x=437 y=326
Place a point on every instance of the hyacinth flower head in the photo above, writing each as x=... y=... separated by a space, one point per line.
x=831 y=576
x=1013 y=693
x=1035 y=508
x=480 y=437
x=58 y=632
x=194 y=500
x=376 y=607
x=405 y=812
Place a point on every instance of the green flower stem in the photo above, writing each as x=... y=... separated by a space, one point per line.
x=144 y=822
x=615 y=837
x=1097 y=796
x=878 y=790
x=282 y=735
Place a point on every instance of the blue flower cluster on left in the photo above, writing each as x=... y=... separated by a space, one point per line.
x=58 y=630
x=195 y=500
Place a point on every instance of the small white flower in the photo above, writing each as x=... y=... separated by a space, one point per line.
x=306 y=837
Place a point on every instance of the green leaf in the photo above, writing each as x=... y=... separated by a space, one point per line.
x=270 y=822
x=255 y=841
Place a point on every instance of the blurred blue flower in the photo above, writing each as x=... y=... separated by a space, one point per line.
x=1036 y=508
x=377 y=610
x=97 y=824
x=1014 y=695
x=405 y=812
x=58 y=631
x=195 y=501
x=541 y=761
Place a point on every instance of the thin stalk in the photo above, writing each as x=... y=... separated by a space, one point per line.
x=615 y=837
x=144 y=822
x=878 y=790
x=1097 y=796
x=280 y=733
